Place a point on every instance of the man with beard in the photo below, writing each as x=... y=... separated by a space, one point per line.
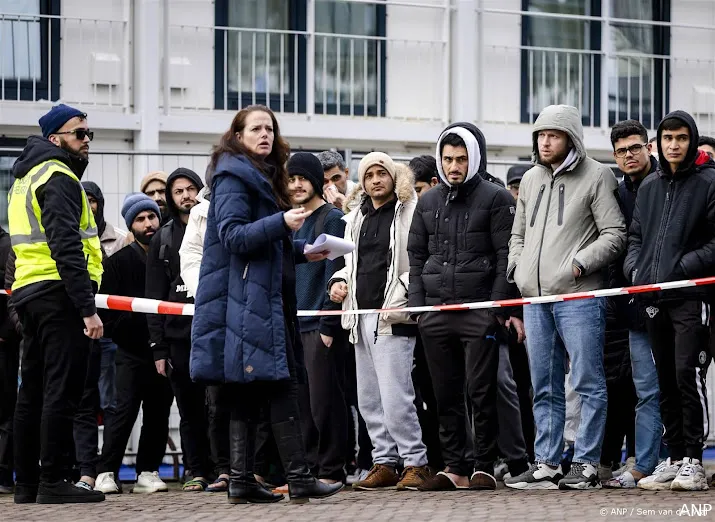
x=171 y=334
x=58 y=268
x=154 y=186
x=324 y=341
x=137 y=383
x=568 y=227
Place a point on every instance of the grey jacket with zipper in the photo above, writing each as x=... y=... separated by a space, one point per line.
x=564 y=218
x=399 y=266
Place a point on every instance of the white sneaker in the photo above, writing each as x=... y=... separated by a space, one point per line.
x=623 y=481
x=149 y=482
x=662 y=477
x=107 y=484
x=628 y=466
x=358 y=476
x=691 y=477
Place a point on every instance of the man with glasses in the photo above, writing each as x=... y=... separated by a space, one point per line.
x=633 y=156
x=58 y=269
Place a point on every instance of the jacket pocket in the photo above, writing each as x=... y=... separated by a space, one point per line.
x=562 y=203
x=396 y=297
x=536 y=206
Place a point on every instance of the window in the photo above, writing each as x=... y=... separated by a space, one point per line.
x=636 y=85
x=28 y=69
x=263 y=60
x=349 y=72
x=562 y=61
x=557 y=60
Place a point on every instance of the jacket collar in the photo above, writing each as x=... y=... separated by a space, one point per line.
x=633 y=187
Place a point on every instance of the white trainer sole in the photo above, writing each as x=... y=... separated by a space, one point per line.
x=536 y=486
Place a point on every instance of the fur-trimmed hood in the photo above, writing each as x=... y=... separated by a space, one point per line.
x=404 y=188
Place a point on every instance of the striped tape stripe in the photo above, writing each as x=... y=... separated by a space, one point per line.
x=152 y=306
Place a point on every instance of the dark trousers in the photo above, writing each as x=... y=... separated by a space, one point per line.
x=191 y=401
x=54 y=369
x=678 y=332
x=219 y=400
x=9 y=366
x=522 y=377
x=86 y=436
x=426 y=405
x=620 y=420
x=325 y=427
x=461 y=347
x=137 y=385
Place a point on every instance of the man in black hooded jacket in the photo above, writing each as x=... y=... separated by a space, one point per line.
x=672 y=237
x=170 y=335
x=458 y=249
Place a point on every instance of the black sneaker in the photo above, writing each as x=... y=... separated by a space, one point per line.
x=538 y=476
x=64 y=492
x=581 y=476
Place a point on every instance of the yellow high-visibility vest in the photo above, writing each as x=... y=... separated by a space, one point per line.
x=27 y=234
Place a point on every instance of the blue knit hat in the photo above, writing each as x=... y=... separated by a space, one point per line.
x=134 y=204
x=57 y=117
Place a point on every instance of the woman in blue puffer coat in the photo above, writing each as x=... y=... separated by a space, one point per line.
x=243 y=331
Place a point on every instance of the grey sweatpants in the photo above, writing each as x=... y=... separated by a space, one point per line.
x=386 y=395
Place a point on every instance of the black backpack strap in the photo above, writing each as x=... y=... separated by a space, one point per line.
x=320 y=220
x=165 y=240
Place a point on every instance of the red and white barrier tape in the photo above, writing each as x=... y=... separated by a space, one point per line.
x=153 y=306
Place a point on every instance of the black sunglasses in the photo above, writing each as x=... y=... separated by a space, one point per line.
x=80 y=133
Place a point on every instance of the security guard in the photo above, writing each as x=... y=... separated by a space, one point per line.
x=57 y=272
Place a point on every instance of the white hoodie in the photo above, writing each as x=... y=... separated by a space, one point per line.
x=192 y=246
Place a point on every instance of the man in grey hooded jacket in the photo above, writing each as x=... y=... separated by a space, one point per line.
x=567 y=228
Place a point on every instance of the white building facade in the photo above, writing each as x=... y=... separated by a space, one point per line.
x=162 y=79
x=354 y=75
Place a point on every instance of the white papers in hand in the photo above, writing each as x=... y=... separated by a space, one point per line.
x=336 y=246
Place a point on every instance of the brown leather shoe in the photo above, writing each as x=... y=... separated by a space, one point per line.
x=379 y=477
x=482 y=480
x=413 y=477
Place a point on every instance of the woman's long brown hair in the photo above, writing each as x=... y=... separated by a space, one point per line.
x=273 y=166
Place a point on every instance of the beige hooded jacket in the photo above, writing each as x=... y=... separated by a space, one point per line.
x=564 y=218
x=398 y=273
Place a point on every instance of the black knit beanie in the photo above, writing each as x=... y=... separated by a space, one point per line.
x=307 y=165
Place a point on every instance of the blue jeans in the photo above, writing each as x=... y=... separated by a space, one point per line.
x=107 y=399
x=573 y=329
x=649 y=428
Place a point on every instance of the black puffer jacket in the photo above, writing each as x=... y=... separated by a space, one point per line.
x=459 y=239
x=672 y=235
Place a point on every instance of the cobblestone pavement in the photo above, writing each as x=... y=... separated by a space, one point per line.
x=503 y=505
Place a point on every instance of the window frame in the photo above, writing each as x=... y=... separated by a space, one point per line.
x=661 y=44
x=297 y=22
x=42 y=90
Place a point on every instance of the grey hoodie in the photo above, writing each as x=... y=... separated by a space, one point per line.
x=564 y=218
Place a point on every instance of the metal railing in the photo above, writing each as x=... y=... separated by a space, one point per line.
x=93 y=55
x=302 y=72
x=621 y=77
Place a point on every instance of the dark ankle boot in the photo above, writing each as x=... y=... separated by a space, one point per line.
x=302 y=486
x=242 y=485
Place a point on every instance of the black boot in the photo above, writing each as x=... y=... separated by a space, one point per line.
x=302 y=486
x=242 y=485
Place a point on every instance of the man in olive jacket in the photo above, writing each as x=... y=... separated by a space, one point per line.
x=567 y=228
